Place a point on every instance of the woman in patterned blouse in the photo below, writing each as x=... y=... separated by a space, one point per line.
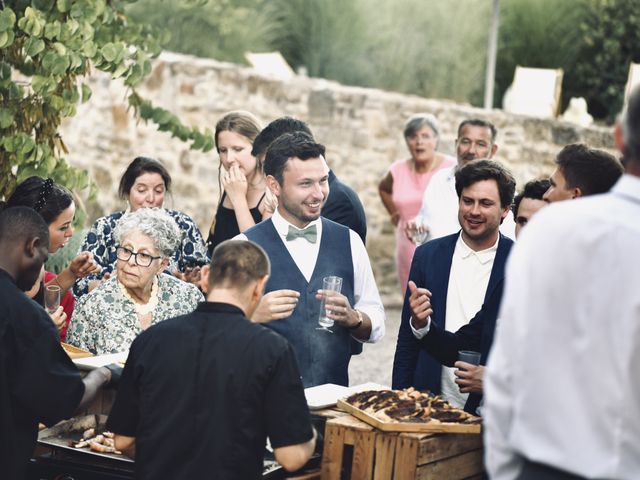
x=143 y=184
x=109 y=318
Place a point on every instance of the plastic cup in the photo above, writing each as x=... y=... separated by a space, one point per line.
x=470 y=357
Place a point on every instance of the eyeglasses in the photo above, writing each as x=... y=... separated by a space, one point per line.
x=142 y=259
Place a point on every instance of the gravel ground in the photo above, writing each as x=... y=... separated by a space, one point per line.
x=375 y=362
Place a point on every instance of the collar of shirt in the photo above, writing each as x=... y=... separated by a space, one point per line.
x=628 y=186
x=483 y=256
x=282 y=227
x=303 y=252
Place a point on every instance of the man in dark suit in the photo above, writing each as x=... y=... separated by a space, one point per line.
x=343 y=205
x=450 y=279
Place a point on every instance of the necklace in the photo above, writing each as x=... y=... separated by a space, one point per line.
x=143 y=308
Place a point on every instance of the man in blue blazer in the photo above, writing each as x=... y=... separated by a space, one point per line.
x=450 y=279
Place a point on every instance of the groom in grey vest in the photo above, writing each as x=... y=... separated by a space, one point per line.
x=303 y=249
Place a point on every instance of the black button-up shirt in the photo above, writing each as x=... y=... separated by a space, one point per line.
x=201 y=393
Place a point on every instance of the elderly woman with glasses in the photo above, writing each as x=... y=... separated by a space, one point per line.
x=109 y=318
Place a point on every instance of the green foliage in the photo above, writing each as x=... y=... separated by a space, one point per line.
x=538 y=34
x=609 y=41
x=46 y=48
x=434 y=49
x=221 y=29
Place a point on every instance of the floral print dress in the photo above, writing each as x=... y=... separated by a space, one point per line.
x=100 y=241
x=105 y=321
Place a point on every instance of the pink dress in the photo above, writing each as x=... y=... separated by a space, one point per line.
x=408 y=189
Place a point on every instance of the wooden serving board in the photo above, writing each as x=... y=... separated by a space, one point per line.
x=428 y=427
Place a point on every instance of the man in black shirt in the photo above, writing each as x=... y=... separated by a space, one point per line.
x=201 y=393
x=38 y=381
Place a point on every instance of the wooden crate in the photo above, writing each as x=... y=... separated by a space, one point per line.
x=357 y=451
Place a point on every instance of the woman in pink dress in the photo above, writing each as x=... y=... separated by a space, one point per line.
x=402 y=187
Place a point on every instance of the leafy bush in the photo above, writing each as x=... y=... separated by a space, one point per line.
x=609 y=41
x=46 y=48
x=219 y=29
x=538 y=34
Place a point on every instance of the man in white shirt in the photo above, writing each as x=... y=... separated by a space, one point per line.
x=303 y=248
x=451 y=277
x=439 y=211
x=562 y=384
x=582 y=171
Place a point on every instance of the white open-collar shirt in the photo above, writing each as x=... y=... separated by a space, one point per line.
x=305 y=254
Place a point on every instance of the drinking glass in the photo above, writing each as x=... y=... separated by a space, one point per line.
x=417 y=230
x=470 y=357
x=333 y=284
x=51 y=298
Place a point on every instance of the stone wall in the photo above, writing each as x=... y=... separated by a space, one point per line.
x=361 y=127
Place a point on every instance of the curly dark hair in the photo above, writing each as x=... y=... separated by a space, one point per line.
x=479 y=170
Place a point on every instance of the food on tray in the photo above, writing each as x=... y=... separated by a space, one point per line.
x=75 y=352
x=408 y=405
x=103 y=443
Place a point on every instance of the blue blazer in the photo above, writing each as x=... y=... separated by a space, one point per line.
x=430 y=268
x=477 y=336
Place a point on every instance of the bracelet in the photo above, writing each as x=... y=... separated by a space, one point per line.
x=357 y=325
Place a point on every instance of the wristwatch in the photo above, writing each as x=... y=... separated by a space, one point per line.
x=357 y=325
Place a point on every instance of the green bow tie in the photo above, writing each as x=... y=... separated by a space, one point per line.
x=310 y=233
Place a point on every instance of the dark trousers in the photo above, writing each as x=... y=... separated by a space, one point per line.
x=538 y=471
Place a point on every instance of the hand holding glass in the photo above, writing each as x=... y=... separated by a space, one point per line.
x=417 y=230
x=51 y=298
x=333 y=284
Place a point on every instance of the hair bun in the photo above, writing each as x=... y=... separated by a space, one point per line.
x=45 y=191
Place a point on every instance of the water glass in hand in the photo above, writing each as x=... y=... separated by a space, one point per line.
x=333 y=284
x=51 y=298
x=418 y=231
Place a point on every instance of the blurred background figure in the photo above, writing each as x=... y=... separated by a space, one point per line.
x=55 y=205
x=527 y=203
x=402 y=188
x=244 y=200
x=144 y=184
x=109 y=318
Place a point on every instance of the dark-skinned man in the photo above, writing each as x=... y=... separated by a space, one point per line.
x=38 y=381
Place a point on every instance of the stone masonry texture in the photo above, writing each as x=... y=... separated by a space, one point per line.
x=361 y=128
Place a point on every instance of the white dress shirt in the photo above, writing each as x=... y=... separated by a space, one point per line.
x=562 y=386
x=468 y=280
x=439 y=209
x=365 y=291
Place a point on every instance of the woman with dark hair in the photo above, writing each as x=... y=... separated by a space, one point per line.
x=55 y=205
x=143 y=185
x=244 y=199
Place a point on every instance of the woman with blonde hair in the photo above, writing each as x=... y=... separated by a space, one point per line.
x=243 y=200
